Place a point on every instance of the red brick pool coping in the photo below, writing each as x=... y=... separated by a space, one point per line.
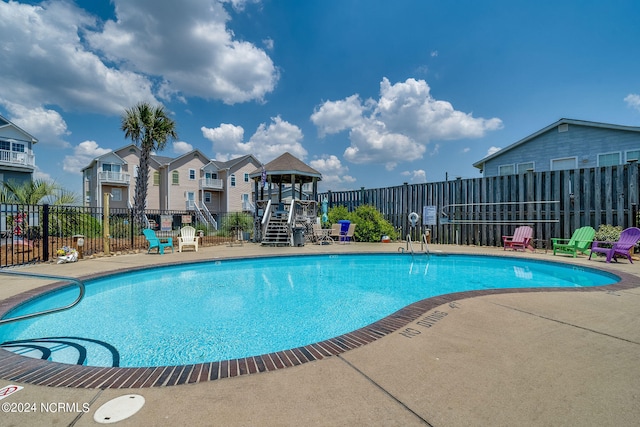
x=14 y=367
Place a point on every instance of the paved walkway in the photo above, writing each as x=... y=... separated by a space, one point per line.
x=515 y=359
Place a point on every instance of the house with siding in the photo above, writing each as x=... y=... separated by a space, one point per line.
x=566 y=144
x=190 y=182
x=17 y=159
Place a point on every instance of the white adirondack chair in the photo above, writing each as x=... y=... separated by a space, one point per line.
x=187 y=238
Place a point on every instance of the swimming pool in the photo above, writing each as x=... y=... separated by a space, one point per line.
x=222 y=310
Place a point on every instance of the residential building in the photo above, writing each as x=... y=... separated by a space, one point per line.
x=190 y=182
x=17 y=160
x=566 y=144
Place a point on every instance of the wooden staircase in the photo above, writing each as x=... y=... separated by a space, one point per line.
x=277 y=232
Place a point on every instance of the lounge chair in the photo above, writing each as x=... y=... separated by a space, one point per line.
x=349 y=236
x=336 y=231
x=580 y=242
x=521 y=239
x=628 y=239
x=154 y=242
x=187 y=238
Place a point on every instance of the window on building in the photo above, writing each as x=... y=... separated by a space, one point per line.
x=156 y=178
x=175 y=178
x=564 y=163
x=233 y=180
x=506 y=170
x=207 y=197
x=523 y=167
x=246 y=177
x=117 y=194
x=17 y=147
x=192 y=174
x=632 y=155
x=110 y=167
x=609 y=159
x=5 y=145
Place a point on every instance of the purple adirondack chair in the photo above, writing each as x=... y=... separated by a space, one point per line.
x=628 y=239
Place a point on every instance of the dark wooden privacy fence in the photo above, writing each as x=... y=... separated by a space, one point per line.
x=480 y=211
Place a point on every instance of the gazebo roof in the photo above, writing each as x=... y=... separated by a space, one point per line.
x=281 y=169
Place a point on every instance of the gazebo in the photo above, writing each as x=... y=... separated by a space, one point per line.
x=275 y=220
x=282 y=171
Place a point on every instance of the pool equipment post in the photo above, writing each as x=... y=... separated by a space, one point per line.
x=105 y=223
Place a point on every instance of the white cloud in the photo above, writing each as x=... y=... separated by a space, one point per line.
x=399 y=125
x=336 y=116
x=181 y=147
x=493 y=150
x=268 y=44
x=465 y=150
x=334 y=174
x=239 y=5
x=57 y=54
x=39 y=174
x=83 y=154
x=47 y=126
x=267 y=143
x=189 y=46
x=45 y=62
x=418 y=176
x=372 y=143
x=633 y=101
x=226 y=138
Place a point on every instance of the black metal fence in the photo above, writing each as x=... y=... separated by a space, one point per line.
x=35 y=233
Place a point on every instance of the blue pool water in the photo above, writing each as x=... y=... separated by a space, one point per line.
x=221 y=310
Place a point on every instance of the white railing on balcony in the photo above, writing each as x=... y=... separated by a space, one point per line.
x=114 y=177
x=211 y=183
x=17 y=158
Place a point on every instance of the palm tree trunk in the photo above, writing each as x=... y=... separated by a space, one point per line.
x=142 y=181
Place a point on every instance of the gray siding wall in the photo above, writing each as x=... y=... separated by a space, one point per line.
x=583 y=142
x=15 y=176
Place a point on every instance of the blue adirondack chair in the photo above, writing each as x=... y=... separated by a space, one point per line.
x=154 y=242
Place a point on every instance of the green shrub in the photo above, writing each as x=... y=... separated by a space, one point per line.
x=337 y=213
x=370 y=224
x=233 y=222
x=120 y=227
x=608 y=233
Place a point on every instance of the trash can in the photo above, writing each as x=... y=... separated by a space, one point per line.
x=298 y=236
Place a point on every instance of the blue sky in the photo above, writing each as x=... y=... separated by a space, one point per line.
x=371 y=93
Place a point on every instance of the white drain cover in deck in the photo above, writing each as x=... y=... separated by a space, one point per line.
x=119 y=409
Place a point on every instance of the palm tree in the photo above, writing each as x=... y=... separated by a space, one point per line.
x=150 y=129
x=35 y=192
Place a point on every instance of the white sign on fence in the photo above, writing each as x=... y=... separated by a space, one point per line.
x=429 y=215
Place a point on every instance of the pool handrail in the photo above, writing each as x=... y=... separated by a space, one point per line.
x=75 y=281
x=409 y=249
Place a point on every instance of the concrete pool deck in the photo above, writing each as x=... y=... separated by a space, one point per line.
x=536 y=358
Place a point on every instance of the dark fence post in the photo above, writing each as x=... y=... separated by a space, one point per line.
x=45 y=232
x=131 y=228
